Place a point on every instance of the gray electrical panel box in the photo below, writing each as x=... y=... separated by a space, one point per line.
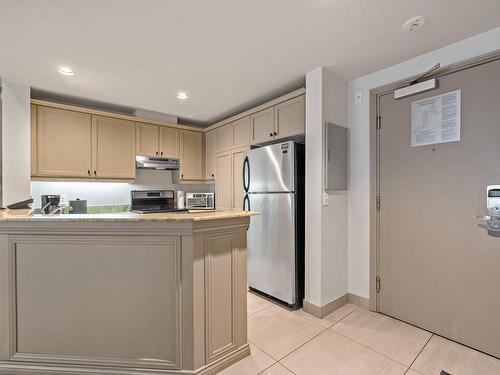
x=336 y=149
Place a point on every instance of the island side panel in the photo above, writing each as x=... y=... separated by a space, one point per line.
x=103 y=300
x=5 y=303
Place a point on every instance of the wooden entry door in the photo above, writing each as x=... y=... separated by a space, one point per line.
x=438 y=268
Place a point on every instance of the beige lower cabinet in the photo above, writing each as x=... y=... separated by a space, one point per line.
x=238 y=190
x=224 y=180
x=123 y=297
x=113 y=148
x=191 y=155
x=63 y=143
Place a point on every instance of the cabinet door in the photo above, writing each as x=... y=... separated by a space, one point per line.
x=238 y=190
x=34 y=167
x=63 y=146
x=224 y=181
x=113 y=148
x=262 y=126
x=169 y=142
x=225 y=138
x=290 y=117
x=241 y=130
x=147 y=139
x=210 y=152
x=191 y=155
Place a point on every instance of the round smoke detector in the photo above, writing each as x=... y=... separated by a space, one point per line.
x=414 y=23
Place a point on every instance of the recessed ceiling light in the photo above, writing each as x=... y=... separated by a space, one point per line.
x=414 y=23
x=182 y=95
x=66 y=71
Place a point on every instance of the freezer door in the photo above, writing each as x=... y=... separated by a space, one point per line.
x=271 y=245
x=270 y=168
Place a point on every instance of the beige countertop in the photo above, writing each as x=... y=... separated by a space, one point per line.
x=22 y=215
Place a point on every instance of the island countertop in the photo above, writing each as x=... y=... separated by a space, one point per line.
x=21 y=216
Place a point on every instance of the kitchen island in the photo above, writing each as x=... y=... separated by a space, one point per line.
x=122 y=293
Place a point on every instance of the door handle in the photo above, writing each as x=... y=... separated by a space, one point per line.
x=245 y=201
x=246 y=172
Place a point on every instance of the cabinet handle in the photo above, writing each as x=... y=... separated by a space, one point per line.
x=275 y=133
x=95 y=173
x=88 y=171
x=213 y=175
x=156 y=153
x=161 y=153
x=182 y=175
x=270 y=134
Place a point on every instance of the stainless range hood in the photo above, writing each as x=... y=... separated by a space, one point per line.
x=145 y=162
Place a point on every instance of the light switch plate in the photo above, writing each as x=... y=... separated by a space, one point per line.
x=325 y=198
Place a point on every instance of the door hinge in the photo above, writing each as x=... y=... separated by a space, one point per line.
x=378 y=284
x=379 y=122
x=378 y=203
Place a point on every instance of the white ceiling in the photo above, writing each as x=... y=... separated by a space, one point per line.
x=226 y=54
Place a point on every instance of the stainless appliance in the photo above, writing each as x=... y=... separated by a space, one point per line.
x=273 y=179
x=153 y=201
x=78 y=206
x=146 y=162
x=200 y=201
x=50 y=203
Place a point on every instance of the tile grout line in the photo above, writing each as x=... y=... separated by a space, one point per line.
x=312 y=338
x=256 y=312
x=418 y=355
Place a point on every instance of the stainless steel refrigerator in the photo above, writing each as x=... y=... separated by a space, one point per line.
x=273 y=179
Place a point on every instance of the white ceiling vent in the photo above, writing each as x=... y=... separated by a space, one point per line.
x=414 y=23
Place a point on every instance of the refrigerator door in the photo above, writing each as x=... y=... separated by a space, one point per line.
x=271 y=245
x=270 y=168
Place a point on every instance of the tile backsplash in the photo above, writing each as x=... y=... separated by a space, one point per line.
x=112 y=193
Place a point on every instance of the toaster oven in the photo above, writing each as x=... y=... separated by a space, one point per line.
x=200 y=201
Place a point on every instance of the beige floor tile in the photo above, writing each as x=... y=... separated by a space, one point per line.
x=277 y=369
x=278 y=331
x=442 y=354
x=341 y=313
x=412 y=372
x=333 y=354
x=256 y=303
x=397 y=340
x=254 y=364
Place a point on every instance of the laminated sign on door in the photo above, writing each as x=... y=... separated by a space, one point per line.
x=436 y=119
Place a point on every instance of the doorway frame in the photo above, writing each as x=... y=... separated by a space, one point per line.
x=375 y=95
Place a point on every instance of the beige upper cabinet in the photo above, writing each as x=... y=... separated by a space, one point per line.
x=113 y=148
x=225 y=138
x=34 y=166
x=238 y=190
x=262 y=126
x=241 y=131
x=210 y=154
x=290 y=117
x=147 y=139
x=191 y=155
x=169 y=142
x=63 y=145
x=224 y=180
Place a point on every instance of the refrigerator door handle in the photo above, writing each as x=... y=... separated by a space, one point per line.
x=246 y=174
x=245 y=201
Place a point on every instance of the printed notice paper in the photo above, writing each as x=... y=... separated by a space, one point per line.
x=436 y=120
